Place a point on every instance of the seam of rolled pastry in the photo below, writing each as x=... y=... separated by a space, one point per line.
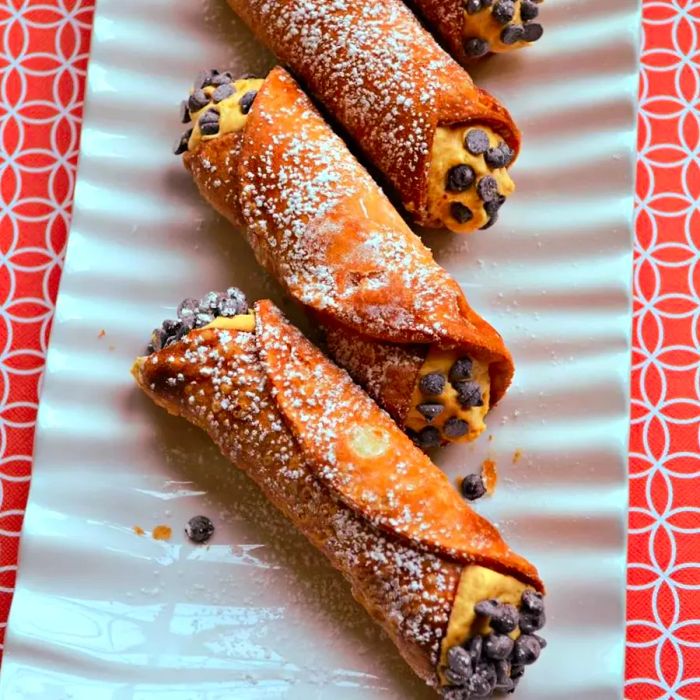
x=334 y=463
x=384 y=78
x=318 y=223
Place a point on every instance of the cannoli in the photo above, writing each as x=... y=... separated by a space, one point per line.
x=470 y=29
x=461 y=607
x=263 y=157
x=442 y=144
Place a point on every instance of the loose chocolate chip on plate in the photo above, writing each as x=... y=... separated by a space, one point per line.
x=506 y=619
x=460 y=663
x=475 y=47
x=533 y=32
x=455 y=427
x=432 y=384
x=498 y=646
x=476 y=141
x=528 y=10
x=199 y=529
x=182 y=143
x=472 y=487
x=429 y=437
x=513 y=33
x=461 y=213
x=246 y=102
x=531 y=601
x=461 y=369
x=222 y=92
x=495 y=158
x=504 y=11
x=198 y=100
x=460 y=178
x=469 y=394
x=185 y=117
x=526 y=650
x=430 y=411
x=473 y=6
x=531 y=622
x=487 y=188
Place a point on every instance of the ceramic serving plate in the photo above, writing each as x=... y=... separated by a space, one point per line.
x=102 y=613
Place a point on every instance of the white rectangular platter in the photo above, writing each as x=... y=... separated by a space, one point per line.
x=103 y=614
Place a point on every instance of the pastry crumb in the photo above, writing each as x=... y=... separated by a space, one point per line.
x=139 y=530
x=161 y=532
x=489 y=475
x=517 y=456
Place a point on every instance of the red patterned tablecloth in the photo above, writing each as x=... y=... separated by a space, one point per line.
x=43 y=58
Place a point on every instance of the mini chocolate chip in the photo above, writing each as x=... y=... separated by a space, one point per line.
x=472 y=487
x=432 y=384
x=221 y=79
x=487 y=188
x=185 y=117
x=476 y=645
x=492 y=207
x=516 y=671
x=473 y=6
x=222 y=92
x=246 y=102
x=430 y=411
x=455 y=693
x=247 y=76
x=461 y=213
x=533 y=32
x=531 y=622
x=157 y=338
x=475 y=47
x=209 y=302
x=229 y=307
x=209 y=125
x=460 y=663
x=503 y=673
x=483 y=682
x=460 y=178
x=198 y=100
x=513 y=33
x=526 y=650
x=506 y=619
x=199 y=529
x=202 y=319
x=461 y=369
x=203 y=78
x=507 y=151
x=429 y=437
x=170 y=326
x=183 y=143
x=488 y=607
x=532 y=601
x=540 y=640
x=187 y=308
x=495 y=158
x=498 y=646
x=504 y=11
x=528 y=10
x=237 y=295
x=476 y=141
x=455 y=427
x=469 y=394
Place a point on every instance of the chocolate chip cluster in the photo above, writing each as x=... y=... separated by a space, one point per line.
x=192 y=314
x=503 y=12
x=431 y=386
x=461 y=177
x=210 y=88
x=495 y=661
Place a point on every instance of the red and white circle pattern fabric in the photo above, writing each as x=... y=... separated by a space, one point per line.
x=43 y=59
